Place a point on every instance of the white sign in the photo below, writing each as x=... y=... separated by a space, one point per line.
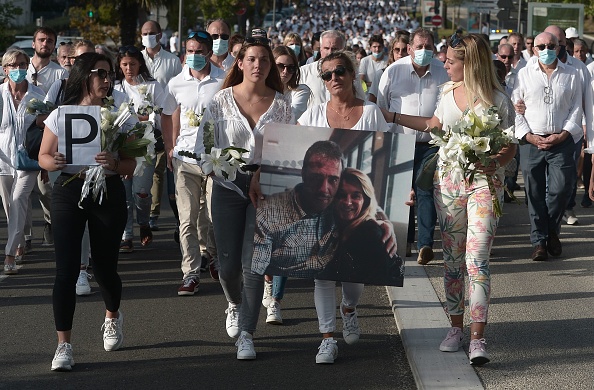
x=79 y=134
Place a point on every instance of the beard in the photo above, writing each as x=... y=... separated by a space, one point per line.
x=43 y=54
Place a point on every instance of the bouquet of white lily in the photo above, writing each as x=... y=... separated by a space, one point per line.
x=114 y=140
x=224 y=163
x=473 y=139
x=146 y=107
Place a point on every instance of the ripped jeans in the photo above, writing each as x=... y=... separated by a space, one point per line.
x=138 y=197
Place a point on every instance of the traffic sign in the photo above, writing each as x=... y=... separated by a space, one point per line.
x=436 y=20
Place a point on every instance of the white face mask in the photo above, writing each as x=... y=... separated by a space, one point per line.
x=149 y=41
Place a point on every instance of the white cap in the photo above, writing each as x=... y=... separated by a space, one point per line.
x=571 y=32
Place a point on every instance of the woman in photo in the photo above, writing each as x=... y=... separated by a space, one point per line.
x=88 y=84
x=361 y=254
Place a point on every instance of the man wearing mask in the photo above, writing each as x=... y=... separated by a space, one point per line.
x=163 y=66
x=378 y=60
x=584 y=75
x=548 y=130
x=220 y=32
x=189 y=92
x=411 y=86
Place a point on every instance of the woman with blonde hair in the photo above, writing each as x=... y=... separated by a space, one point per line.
x=294 y=42
x=465 y=209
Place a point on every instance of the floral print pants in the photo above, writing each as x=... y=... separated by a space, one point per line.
x=468 y=224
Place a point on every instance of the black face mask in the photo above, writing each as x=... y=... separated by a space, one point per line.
x=562 y=52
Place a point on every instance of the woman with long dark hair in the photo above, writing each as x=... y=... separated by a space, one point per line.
x=252 y=96
x=88 y=84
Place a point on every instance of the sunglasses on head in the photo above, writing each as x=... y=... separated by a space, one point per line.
x=129 y=49
x=224 y=37
x=200 y=35
x=103 y=74
x=289 y=68
x=455 y=40
x=339 y=71
x=550 y=46
x=260 y=40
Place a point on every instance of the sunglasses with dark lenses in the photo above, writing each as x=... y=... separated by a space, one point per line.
x=103 y=74
x=260 y=40
x=455 y=40
x=289 y=68
x=129 y=49
x=550 y=46
x=65 y=43
x=224 y=37
x=201 y=35
x=505 y=57
x=339 y=71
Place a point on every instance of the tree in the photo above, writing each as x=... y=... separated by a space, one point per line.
x=7 y=13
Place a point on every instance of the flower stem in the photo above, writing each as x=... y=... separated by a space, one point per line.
x=497 y=210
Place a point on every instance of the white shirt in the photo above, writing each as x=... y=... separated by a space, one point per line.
x=13 y=126
x=163 y=67
x=191 y=94
x=565 y=111
x=311 y=77
x=47 y=75
x=368 y=67
x=299 y=98
x=372 y=118
x=402 y=90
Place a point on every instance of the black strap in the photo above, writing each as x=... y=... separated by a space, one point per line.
x=59 y=97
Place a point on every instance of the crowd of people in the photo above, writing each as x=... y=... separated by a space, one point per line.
x=373 y=70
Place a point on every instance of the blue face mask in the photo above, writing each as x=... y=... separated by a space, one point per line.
x=196 y=61
x=220 y=47
x=296 y=49
x=377 y=55
x=315 y=54
x=547 y=57
x=423 y=57
x=17 y=75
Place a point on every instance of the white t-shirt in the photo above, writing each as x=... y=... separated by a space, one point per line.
x=372 y=118
x=47 y=75
x=369 y=67
x=300 y=99
x=191 y=94
x=163 y=67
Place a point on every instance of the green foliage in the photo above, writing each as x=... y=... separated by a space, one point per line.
x=7 y=12
x=98 y=28
x=215 y=9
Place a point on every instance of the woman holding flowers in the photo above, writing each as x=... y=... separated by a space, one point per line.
x=15 y=184
x=148 y=97
x=88 y=85
x=468 y=183
x=251 y=97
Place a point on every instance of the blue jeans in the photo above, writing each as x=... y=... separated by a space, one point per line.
x=426 y=215
x=278 y=287
x=139 y=198
x=234 y=222
x=576 y=156
x=556 y=168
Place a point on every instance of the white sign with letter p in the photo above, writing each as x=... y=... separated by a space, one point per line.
x=79 y=134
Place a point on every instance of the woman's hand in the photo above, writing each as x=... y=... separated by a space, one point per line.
x=107 y=160
x=255 y=192
x=490 y=169
x=389 y=238
x=520 y=107
x=411 y=201
x=59 y=161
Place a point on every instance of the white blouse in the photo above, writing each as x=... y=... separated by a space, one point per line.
x=372 y=118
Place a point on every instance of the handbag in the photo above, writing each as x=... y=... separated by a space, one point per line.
x=33 y=138
x=24 y=162
x=425 y=176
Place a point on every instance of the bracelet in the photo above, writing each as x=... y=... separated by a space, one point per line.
x=116 y=164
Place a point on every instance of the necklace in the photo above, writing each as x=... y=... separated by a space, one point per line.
x=247 y=99
x=346 y=117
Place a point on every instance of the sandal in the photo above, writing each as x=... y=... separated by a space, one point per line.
x=146 y=235
x=126 y=246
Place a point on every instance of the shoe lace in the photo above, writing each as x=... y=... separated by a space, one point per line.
x=326 y=346
x=110 y=327
x=453 y=334
x=244 y=343
x=351 y=323
x=63 y=350
x=189 y=281
x=267 y=289
x=233 y=314
x=83 y=277
x=477 y=344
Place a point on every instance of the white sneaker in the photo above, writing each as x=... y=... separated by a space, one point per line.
x=112 y=333
x=453 y=340
x=350 y=326
x=327 y=351
x=82 y=284
x=63 y=360
x=245 y=347
x=569 y=217
x=273 y=314
x=267 y=298
x=232 y=322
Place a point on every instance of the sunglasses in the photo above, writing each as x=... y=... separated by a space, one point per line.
x=129 y=49
x=103 y=74
x=200 y=35
x=399 y=50
x=455 y=40
x=65 y=43
x=550 y=46
x=260 y=40
x=505 y=57
x=224 y=37
x=339 y=71
x=289 y=68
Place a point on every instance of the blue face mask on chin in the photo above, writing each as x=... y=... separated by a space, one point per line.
x=547 y=56
x=220 y=47
x=377 y=56
x=17 y=75
x=196 y=61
